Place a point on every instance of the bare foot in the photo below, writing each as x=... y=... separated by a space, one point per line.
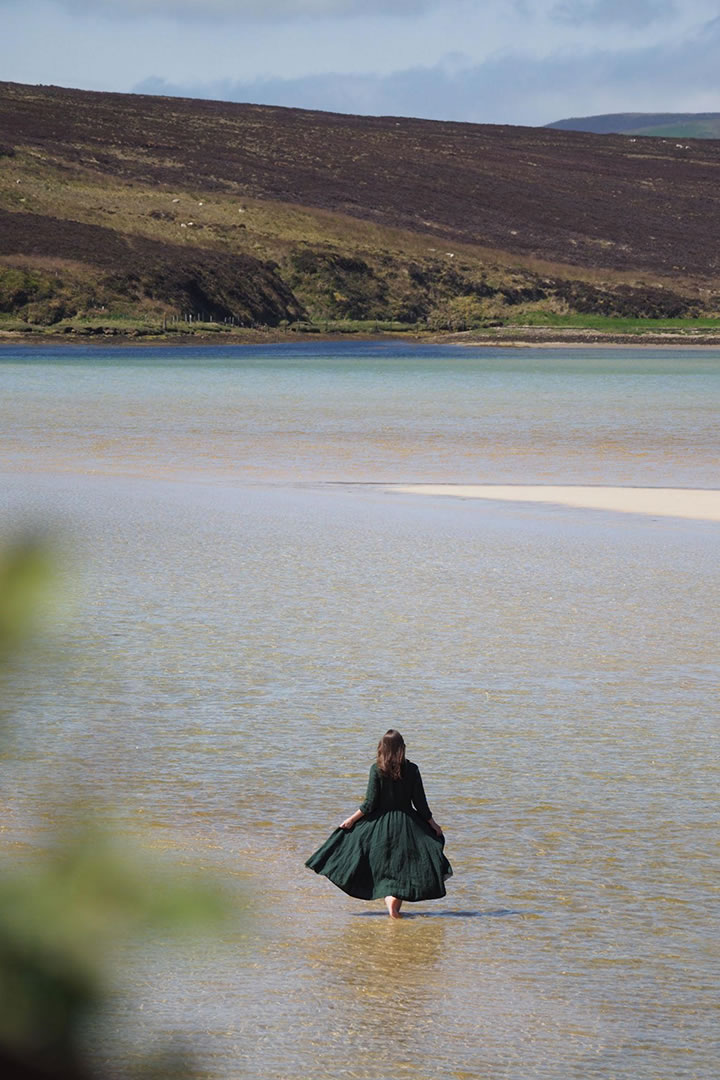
x=393 y=906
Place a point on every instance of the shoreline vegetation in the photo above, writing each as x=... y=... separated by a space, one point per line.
x=667 y=333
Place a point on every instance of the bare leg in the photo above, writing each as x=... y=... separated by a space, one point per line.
x=393 y=906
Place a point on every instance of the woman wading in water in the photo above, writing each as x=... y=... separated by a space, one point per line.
x=391 y=846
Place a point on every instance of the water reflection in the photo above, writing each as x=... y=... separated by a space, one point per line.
x=362 y=949
x=409 y=914
x=382 y=979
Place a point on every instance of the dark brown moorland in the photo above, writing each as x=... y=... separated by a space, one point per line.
x=265 y=216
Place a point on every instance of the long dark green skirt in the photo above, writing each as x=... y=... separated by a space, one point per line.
x=393 y=853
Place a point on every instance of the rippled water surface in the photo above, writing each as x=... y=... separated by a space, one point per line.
x=252 y=612
x=366 y=412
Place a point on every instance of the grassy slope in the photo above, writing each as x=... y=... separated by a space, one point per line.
x=662 y=125
x=284 y=215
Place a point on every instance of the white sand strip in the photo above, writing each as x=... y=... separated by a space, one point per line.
x=697 y=503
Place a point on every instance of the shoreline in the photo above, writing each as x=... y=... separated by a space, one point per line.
x=696 y=504
x=687 y=504
x=509 y=338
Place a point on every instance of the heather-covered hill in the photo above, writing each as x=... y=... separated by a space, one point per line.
x=282 y=214
x=218 y=286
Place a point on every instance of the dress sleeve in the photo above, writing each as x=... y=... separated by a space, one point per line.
x=372 y=795
x=418 y=796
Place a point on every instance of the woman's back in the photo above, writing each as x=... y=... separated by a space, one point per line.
x=385 y=794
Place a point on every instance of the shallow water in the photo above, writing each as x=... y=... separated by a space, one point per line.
x=245 y=630
x=368 y=412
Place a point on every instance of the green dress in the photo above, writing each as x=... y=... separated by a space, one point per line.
x=391 y=851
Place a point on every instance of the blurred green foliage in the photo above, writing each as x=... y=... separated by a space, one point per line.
x=26 y=581
x=68 y=911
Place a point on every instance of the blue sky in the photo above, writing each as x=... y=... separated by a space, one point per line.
x=495 y=61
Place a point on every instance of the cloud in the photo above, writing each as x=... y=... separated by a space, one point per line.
x=608 y=12
x=243 y=9
x=506 y=61
x=511 y=88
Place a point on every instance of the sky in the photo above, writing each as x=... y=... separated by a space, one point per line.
x=483 y=61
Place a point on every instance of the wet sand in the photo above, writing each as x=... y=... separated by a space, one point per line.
x=695 y=503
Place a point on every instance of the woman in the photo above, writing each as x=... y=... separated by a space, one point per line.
x=391 y=846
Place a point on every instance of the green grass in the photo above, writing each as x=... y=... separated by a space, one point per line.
x=11 y=323
x=158 y=328
x=354 y=326
x=611 y=324
x=689 y=129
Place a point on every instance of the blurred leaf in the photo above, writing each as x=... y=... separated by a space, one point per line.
x=66 y=914
x=26 y=574
x=62 y=921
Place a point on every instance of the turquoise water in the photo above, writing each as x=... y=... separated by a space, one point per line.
x=252 y=611
x=366 y=412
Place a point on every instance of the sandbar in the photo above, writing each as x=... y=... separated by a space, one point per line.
x=700 y=504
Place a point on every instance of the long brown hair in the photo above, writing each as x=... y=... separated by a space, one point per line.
x=391 y=754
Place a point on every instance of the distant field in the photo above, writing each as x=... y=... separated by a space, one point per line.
x=660 y=125
x=616 y=325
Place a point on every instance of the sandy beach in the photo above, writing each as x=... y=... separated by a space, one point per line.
x=696 y=503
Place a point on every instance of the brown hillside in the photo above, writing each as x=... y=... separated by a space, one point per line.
x=586 y=200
